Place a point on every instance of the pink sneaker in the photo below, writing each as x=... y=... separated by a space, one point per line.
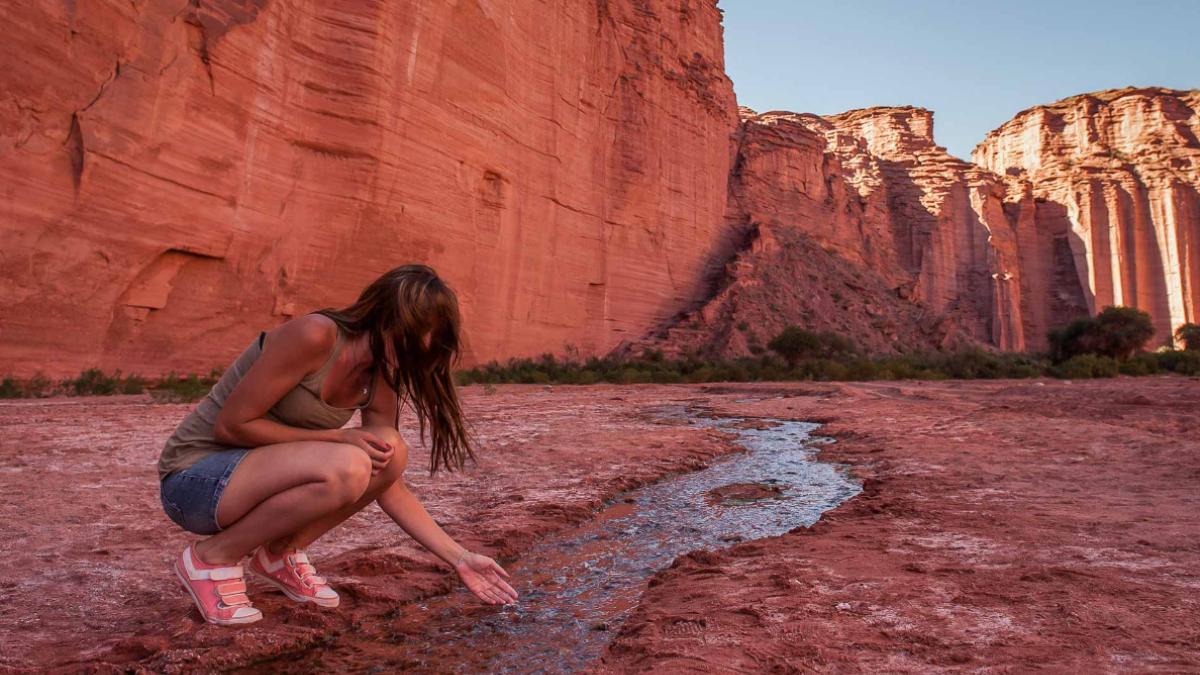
x=219 y=592
x=294 y=575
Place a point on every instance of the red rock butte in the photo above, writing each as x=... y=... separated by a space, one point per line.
x=176 y=180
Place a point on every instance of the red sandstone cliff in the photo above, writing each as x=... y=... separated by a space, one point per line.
x=871 y=230
x=176 y=175
x=1114 y=175
x=859 y=223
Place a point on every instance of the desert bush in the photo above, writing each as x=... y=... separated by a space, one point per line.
x=796 y=343
x=95 y=382
x=10 y=388
x=39 y=386
x=1084 y=366
x=1141 y=364
x=183 y=389
x=1188 y=337
x=1116 y=332
x=1182 y=362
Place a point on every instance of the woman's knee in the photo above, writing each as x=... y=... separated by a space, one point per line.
x=399 y=448
x=386 y=434
x=393 y=472
x=348 y=472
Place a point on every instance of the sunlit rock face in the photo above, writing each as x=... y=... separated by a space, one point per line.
x=177 y=176
x=1115 y=175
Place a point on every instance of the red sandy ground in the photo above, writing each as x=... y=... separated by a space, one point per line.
x=1013 y=525
x=1009 y=526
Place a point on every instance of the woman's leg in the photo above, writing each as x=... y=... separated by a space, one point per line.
x=307 y=534
x=279 y=488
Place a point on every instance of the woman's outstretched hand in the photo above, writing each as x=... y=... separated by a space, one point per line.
x=483 y=576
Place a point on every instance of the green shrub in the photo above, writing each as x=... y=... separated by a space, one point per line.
x=1188 y=336
x=39 y=386
x=10 y=388
x=176 y=389
x=1180 y=361
x=92 y=382
x=1084 y=366
x=1141 y=364
x=795 y=344
x=1116 y=332
x=95 y=382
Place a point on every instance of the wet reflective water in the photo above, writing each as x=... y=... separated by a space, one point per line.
x=578 y=586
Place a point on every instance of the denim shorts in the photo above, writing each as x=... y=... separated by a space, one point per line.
x=190 y=496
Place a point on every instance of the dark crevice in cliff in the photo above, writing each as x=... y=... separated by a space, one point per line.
x=75 y=151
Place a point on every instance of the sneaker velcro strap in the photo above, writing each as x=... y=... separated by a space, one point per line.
x=235 y=600
x=231 y=588
x=223 y=573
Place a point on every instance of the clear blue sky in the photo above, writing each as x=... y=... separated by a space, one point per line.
x=974 y=64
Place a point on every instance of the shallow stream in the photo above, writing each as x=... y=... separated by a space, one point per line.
x=578 y=585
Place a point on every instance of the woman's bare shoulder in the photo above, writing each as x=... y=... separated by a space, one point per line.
x=305 y=337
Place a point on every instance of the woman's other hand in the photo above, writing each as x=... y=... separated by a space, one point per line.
x=483 y=576
x=379 y=450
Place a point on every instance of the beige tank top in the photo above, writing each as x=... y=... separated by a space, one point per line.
x=302 y=407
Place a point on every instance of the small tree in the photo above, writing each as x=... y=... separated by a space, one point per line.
x=1123 y=331
x=796 y=344
x=1116 y=332
x=1188 y=335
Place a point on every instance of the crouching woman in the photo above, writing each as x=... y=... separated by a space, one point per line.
x=262 y=466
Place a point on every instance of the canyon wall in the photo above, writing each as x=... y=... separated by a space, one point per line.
x=1116 y=175
x=860 y=224
x=175 y=175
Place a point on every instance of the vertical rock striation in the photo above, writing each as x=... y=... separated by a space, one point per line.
x=1116 y=176
x=177 y=175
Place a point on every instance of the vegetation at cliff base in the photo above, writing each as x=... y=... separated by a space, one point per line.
x=1106 y=345
x=1188 y=336
x=1116 y=333
x=95 y=382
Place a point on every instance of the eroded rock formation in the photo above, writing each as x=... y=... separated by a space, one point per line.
x=872 y=231
x=177 y=175
x=1088 y=202
x=1115 y=176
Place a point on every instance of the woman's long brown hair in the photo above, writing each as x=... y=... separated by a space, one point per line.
x=399 y=310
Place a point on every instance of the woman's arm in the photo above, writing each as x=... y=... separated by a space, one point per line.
x=480 y=573
x=406 y=510
x=297 y=348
